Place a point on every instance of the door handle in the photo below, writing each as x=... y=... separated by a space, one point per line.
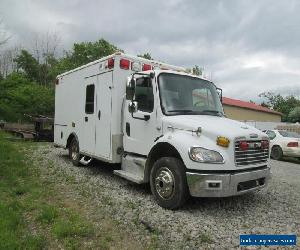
x=86 y=118
x=127 y=128
x=99 y=114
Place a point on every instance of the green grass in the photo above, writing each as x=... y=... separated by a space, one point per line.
x=37 y=212
x=205 y=238
x=72 y=226
x=32 y=216
x=47 y=214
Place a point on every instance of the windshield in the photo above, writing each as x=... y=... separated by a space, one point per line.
x=289 y=134
x=182 y=94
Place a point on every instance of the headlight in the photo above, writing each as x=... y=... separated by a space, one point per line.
x=205 y=155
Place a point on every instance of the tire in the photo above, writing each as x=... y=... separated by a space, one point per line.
x=276 y=153
x=74 y=152
x=168 y=183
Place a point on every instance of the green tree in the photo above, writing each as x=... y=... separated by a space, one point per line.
x=19 y=95
x=28 y=64
x=280 y=103
x=146 y=56
x=84 y=53
x=294 y=115
x=30 y=89
x=197 y=71
x=263 y=104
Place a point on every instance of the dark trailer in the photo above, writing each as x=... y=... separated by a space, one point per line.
x=43 y=127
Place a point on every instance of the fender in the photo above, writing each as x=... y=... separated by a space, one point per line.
x=181 y=141
x=162 y=148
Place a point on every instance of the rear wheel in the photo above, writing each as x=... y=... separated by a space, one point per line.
x=168 y=182
x=276 y=153
x=74 y=152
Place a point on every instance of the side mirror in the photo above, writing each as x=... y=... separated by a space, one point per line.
x=220 y=93
x=130 y=89
x=152 y=75
x=133 y=107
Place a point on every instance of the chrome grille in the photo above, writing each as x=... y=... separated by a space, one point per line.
x=251 y=155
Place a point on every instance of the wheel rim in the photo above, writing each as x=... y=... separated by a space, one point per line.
x=164 y=183
x=74 y=151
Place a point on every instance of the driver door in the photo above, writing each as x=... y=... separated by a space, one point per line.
x=139 y=134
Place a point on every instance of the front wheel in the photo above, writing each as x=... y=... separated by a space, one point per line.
x=276 y=153
x=74 y=152
x=168 y=182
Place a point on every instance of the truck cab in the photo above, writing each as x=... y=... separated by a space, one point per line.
x=175 y=127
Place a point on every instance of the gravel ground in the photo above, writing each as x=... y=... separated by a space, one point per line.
x=203 y=223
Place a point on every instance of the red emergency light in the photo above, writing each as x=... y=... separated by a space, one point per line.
x=124 y=64
x=147 y=67
x=110 y=63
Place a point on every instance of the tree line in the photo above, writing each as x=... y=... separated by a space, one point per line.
x=27 y=77
x=289 y=105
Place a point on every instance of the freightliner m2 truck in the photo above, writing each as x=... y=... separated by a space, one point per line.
x=163 y=126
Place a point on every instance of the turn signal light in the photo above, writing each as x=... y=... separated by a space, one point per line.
x=243 y=145
x=292 y=144
x=223 y=141
x=124 y=64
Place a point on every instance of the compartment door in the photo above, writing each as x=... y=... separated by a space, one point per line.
x=87 y=145
x=104 y=115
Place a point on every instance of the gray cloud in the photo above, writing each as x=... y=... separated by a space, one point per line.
x=246 y=46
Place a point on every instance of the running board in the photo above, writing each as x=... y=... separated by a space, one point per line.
x=85 y=160
x=129 y=176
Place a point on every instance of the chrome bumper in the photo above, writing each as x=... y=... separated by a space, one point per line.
x=223 y=185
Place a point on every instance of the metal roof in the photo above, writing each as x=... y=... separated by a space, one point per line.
x=247 y=105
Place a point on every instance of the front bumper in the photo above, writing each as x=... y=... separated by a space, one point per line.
x=229 y=184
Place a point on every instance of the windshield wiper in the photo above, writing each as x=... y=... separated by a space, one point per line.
x=215 y=112
x=181 y=110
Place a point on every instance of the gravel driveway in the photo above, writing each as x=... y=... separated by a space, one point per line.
x=201 y=223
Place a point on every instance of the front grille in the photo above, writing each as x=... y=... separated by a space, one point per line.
x=250 y=156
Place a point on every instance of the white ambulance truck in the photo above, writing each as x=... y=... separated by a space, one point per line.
x=164 y=126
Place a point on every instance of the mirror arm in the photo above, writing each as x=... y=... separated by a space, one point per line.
x=145 y=118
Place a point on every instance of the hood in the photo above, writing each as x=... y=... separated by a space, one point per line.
x=212 y=125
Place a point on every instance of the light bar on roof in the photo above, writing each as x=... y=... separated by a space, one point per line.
x=124 y=63
x=147 y=67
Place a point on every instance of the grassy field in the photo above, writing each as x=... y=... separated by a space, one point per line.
x=37 y=214
x=32 y=215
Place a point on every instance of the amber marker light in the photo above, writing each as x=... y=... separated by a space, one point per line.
x=223 y=141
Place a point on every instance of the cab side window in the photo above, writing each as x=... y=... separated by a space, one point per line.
x=271 y=134
x=89 y=99
x=144 y=94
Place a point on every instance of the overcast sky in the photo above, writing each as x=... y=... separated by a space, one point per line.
x=247 y=47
